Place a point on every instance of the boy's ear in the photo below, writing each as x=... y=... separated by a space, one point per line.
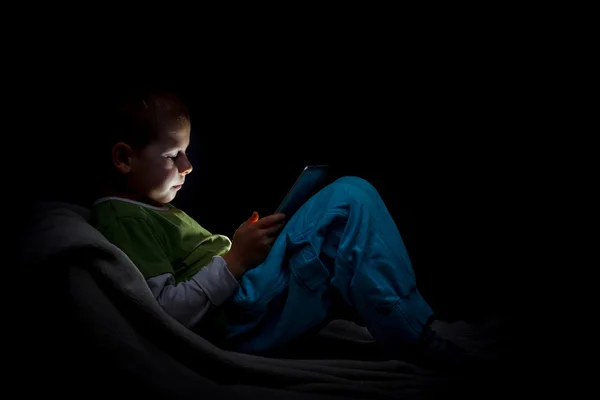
x=121 y=155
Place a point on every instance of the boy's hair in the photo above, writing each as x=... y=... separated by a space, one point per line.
x=135 y=117
x=138 y=117
x=84 y=133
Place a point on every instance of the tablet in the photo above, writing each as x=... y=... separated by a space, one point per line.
x=310 y=181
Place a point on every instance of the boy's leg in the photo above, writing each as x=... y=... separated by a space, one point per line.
x=372 y=270
x=342 y=241
x=373 y=273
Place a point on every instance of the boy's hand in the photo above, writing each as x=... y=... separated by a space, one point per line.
x=252 y=242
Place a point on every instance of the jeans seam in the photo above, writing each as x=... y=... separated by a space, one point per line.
x=397 y=306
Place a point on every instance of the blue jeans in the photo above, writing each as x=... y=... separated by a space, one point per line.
x=342 y=242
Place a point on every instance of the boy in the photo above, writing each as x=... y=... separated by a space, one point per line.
x=189 y=270
x=268 y=285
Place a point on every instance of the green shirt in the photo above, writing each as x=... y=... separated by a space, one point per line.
x=158 y=240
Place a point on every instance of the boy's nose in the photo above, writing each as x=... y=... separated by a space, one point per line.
x=185 y=167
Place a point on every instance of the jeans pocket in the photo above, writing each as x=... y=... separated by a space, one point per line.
x=305 y=265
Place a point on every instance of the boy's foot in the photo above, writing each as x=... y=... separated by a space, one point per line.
x=441 y=354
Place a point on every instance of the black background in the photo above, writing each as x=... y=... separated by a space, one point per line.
x=448 y=123
x=438 y=144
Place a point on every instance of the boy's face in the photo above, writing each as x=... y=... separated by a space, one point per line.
x=158 y=171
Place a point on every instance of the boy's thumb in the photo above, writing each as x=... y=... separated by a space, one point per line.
x=253 y=218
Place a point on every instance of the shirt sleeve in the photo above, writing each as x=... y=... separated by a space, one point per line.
x=190 y=301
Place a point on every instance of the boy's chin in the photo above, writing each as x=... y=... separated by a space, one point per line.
x=167 y=198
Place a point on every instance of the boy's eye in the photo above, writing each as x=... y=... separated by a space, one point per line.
x=174 y=156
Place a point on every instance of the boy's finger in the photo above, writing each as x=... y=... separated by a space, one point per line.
x=253 y=218
x=271 y=220
x=269 y=242
x=273 y=229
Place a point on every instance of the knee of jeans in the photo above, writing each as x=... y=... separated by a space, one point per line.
x=354 y=182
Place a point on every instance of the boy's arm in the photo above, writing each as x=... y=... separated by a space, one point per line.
x=191 y=300
x=187 y=301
